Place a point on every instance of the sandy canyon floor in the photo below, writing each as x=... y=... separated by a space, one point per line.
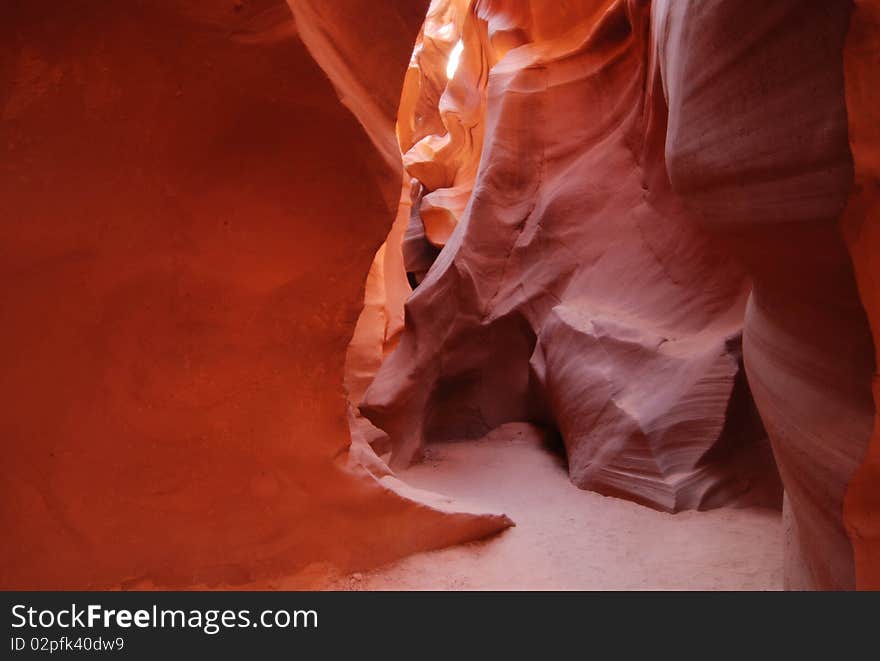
x=568 y=539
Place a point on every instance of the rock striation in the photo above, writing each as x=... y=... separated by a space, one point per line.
x=573 y=288
x=757 y=145
x=650 y=196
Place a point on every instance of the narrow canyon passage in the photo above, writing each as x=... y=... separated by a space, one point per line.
x=569 y=539
x=290 y=287
x=621 y=223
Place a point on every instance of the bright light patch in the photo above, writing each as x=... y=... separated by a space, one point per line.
x=454 y=57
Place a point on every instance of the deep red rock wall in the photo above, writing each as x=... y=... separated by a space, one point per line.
x=188 y=217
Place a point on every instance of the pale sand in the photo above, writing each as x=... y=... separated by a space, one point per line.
x=568 y=539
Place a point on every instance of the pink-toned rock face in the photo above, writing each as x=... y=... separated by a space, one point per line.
x=574 y=290
x=757 y=144
x=188 y=217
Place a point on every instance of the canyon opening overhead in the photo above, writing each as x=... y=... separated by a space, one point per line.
x=459 y=294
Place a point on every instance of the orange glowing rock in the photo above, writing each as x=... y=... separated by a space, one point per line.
x=188 y=217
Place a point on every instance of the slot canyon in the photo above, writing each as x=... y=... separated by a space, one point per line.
x=440 y=294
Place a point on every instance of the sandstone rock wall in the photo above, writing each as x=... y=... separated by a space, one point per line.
x=651 y=179
x=575 y=289
x=188 y=217
x=757 y=144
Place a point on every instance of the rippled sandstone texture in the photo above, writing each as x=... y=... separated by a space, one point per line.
x=188 y=217
x=628 y=154
x=757 y=144
x=575 y=290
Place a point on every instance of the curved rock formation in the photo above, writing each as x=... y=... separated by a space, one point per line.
x=189 y=215
x=757 y=144
x=442 y=138
x=574 y=290
x=629 y=151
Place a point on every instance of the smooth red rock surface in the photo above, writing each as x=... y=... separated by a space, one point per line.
x=188 y=218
